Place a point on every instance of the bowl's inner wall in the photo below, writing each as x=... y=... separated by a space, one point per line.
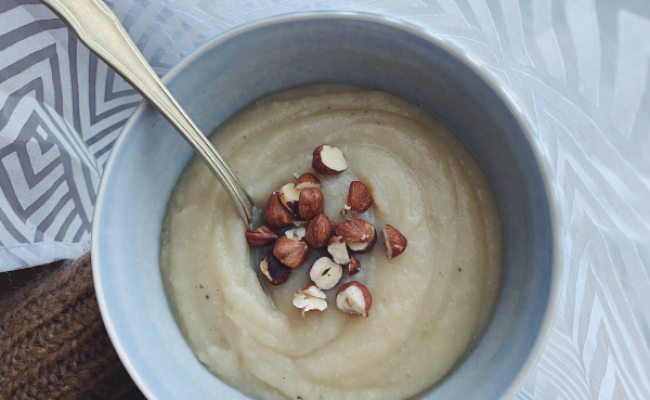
x=235 y=70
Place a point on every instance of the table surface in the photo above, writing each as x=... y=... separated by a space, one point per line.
x=577 y=68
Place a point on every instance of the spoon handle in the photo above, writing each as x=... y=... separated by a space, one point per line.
x=97 y=27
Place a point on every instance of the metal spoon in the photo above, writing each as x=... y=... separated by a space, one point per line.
x=97 y=27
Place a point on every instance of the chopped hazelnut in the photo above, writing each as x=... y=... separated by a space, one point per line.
x=320 y=230
x=276 y=215
x=291 y=252
x=273 y=270
x=289 y=196
x=306 y=181
x=325 y=273
x=359 y=235
x=328 y=160
x=298 y=232
x=359 y=197
x=338 y=250
x=310 y=203
x=362 y=248
x=394 y=241
x=354 y=267
x=310 y=298
x=354 y=298
x=262 y=236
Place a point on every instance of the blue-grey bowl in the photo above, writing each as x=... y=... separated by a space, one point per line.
x=259 y=58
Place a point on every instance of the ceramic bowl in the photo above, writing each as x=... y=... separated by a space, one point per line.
x=266 y=56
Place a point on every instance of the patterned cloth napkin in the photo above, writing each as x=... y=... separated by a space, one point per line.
x=578 y=69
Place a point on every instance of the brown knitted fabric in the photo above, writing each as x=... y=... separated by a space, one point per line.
x=53 y=344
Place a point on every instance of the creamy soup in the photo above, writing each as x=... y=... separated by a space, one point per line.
x=430 y=304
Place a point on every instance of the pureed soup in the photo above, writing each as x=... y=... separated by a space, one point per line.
x=429 y=305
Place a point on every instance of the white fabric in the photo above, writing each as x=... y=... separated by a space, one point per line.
x=577 y=68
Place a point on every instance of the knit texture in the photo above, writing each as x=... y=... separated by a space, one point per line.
x=53 y=344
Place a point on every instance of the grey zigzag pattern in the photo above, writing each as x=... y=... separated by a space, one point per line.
x=57 y=125
x=578 y=69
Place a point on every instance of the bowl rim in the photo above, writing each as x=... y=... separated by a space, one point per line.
x=508 y=99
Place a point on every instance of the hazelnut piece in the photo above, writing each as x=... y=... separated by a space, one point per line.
x=306 y=181
x=298 y=232
x=358 y=234
x=325 y=273
x=359 y=197
x=328 y=160
x=289 y=196
x=273 y=269
x=362 y=248
x=262 y=236
x=356 y=230
x=354 y=266
x=310 y=298
x=276 y=215
x=311 y=203
x=338 y=250
x=394 y=241
x=354 y=298
x=320 y=230
x=291 y=251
